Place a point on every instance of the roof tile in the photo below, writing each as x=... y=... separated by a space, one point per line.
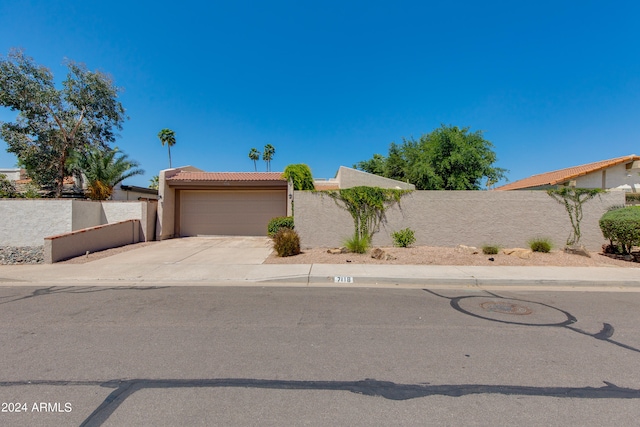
x=563 y=175
x=227 y=176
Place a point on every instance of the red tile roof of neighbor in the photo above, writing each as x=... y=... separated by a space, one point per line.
x=227 y=176
x=563 y=175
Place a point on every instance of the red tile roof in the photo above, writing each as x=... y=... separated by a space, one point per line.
x=563 y=175
x=227 y=176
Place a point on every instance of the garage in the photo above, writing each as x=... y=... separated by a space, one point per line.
x=227 y=212
x=197 y=203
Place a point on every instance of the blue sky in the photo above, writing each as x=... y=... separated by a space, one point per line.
x=551 y=83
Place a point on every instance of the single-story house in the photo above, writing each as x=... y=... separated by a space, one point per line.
x=193 y=202
x=13 y=174
x=349 y=177
x=132 y=192
x=621 y=173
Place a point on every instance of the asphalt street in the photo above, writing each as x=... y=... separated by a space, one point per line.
x=271 y=355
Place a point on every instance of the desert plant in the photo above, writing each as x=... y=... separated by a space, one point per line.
x=358 y=244
x=540 y=244
x=286 y=242
x=490 y=249
x=279 y=222
x=622 y=227
x=367 y=206
x=572 y=199
x=403 y=238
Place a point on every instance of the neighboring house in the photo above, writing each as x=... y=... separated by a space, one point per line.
x=193 y=202
x=621 y=173
x=131 y=192
x=348 y=177
x=13 y=174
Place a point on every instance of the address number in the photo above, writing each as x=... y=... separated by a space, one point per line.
x=343 y=279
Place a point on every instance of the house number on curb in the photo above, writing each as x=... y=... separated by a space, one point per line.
x=343 y=279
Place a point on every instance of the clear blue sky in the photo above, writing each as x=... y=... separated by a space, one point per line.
x=328 y=83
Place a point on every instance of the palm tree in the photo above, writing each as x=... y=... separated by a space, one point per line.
x=167 y=136
x=255 y=156
x=104 y=169
x=267 y=155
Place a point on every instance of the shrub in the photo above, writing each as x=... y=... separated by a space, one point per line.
x=540 y=245
x=357 y=244
x=300 y=175
x=279 y=222
x=622 y=227
x=286 y=242
x=403 y=238
x=490 y=249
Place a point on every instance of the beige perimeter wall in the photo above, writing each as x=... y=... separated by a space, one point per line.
x=450 y=218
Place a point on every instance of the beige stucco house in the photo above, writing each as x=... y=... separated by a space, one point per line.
x=193 y=202
x=621 y=173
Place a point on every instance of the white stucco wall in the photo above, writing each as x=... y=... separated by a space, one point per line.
x=615 y=177
x=25 y=222
x=12 y=174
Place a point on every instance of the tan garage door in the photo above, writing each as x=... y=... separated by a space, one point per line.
x=229 y=212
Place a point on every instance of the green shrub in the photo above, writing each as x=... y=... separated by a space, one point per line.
x=286 y=242
x=403 y=238
x=622 y=227
x=279 y=222
x=490 y=249
x=540 y=245
x=357 y=244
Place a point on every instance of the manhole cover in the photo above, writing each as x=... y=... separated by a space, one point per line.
x=512 y=310
x=506 y=308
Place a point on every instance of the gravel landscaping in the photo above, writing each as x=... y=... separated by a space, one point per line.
x=425 y=255
x=11 y=255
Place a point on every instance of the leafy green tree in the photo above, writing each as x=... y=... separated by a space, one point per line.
x=267 y=155
x=254 y=155
x=300 y=175
x=448 y=158
x=104 y=169
x=52 y=122
x=168 y=137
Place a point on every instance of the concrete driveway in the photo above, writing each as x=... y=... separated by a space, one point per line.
x=197 y=250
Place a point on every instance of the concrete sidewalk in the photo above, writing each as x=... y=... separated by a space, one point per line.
x=132 y=272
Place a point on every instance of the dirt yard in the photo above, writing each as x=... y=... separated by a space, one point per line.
x=425 y=255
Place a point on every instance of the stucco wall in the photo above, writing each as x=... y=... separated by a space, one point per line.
x=615 y=177
x=63 y=246
x=450 y=218
x=86 y=213
x=348 y=177
x=27 y=222
x=165 y=226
